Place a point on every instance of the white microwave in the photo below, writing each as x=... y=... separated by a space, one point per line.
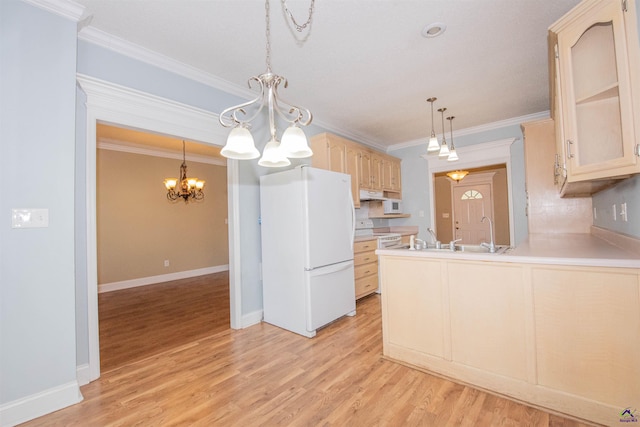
x=392 y=206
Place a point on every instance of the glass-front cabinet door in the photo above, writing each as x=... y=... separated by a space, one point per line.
x=596 y=83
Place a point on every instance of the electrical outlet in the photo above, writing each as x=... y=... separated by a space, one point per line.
x=595 y=213
x=166 y=263
x=615 y=215
x=623 y=212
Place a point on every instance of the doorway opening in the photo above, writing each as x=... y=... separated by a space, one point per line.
x=479 y=158
x=162 y=265
x=461 y=205
x=116 y=105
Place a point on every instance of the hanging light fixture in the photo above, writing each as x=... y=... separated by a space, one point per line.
x=453 y=156
x=434 y=145
x=189 y=189
x=444 y=149
x=240 y=144
x=457 y=175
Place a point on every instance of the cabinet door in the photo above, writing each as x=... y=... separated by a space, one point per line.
x=365 y=169
x=587 y=340
x=337 y=155
x=597 y=103
x=376 y=171
x=412 y=299
x=353 y=169
x=329 y=152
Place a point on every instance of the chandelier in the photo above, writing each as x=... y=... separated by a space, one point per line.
x=189 y=189
x=240 y=144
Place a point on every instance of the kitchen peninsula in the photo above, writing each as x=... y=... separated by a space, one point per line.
x=554 y=322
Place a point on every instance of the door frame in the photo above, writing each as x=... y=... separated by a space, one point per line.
x=113 y=104
x=473 y=156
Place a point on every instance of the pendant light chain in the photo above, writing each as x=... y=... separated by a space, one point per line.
x=299 y=27
x=267 y=11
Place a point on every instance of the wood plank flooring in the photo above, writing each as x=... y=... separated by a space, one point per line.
x=140 y=322
x=266 y=376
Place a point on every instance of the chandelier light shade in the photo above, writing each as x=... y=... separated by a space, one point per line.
x=434 y=145
x=444 y=149
x=240 y=144
x=453 y=155
x=457 y=175
x=187 y=188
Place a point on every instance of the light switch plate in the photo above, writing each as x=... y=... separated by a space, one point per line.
x=29 y=218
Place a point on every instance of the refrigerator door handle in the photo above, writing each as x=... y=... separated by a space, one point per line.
x=331 y=268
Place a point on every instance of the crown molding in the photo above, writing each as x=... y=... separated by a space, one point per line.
x=100 y=38
x=129 y=147
x=477 y=129
x=65 y=8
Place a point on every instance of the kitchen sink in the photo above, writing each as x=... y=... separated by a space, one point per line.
x=468 y=249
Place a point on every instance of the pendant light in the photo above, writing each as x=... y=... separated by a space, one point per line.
x=453 y=156
x=434 y=145
x=444 y=150
x=240 y=144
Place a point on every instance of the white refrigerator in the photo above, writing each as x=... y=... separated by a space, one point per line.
x=307 y=228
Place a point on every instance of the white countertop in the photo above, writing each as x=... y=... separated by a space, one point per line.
x=557 y=249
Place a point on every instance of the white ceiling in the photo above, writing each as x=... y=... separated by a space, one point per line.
x=364 y=69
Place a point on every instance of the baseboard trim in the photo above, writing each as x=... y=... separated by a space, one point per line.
x=152 y=280
x=83 y=374
x=39 y=404
x=252 y=318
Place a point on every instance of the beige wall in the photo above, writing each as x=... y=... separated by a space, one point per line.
x=501 y=207
x=444 y=227
x=138 y=228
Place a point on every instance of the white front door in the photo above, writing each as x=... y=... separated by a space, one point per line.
x=471 y=203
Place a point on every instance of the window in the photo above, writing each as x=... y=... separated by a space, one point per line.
x=471 y=195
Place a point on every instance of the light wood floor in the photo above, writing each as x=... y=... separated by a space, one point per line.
x=265 y=376
x=140 y=322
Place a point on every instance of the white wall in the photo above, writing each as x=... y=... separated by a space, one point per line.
x=37 y=295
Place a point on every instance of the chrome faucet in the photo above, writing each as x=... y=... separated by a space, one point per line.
x=491 y=245
x=452 y=244
x=435 y=239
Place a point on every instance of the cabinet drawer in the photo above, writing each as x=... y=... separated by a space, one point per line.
x=366 y=270
x=366 y=286
x=364 y=258
x=366 y=245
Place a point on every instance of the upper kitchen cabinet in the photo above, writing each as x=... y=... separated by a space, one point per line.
x=369 y=169
x=391 y=176
x=595 y=82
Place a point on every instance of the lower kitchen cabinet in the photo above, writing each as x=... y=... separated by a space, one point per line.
x=566 y=338
x=365 y=267
x=587 y=332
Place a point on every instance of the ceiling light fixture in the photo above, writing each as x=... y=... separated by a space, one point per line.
x=240 y=144
x=190 y=188
x=457 y=175
x=434 y=145
x=434 y=30
x=453 y=156
x=444 y=149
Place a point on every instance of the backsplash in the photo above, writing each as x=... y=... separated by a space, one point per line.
x=626 y=192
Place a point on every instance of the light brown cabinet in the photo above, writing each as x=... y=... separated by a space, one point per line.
x=549 y=335
x=366 y=267
x=595 y=77
x=337 y=154
x=369 y=169
x=391 y=175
